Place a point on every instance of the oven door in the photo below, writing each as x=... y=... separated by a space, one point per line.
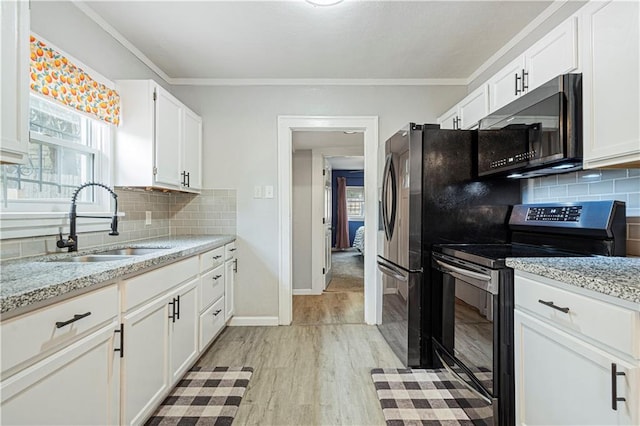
x=469 y=344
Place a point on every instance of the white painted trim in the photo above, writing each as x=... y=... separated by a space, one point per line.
x=252 y=321
x=528 y=29
x=95 y=17
x=286 y=125
x=319 y=81
x=305 y=292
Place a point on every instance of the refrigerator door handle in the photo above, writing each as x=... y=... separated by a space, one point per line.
x=392 y=271
x=385 y=215
x=389 y=178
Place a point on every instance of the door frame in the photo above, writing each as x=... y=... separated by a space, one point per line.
x=369 y=126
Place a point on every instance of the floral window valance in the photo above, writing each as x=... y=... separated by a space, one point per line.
x=54 y=76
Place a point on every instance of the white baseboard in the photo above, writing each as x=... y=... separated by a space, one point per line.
x=252 y=321
x=305 y=292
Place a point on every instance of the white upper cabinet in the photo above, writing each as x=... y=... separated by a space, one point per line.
x=610 y=84
x=466 y=114
x=159 y=140
x=14 y=81
x=553 y=55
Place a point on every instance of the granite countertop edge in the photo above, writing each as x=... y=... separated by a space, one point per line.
x=33 y=282
x=613 y=276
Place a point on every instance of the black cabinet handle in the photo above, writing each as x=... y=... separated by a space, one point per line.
x=121 y=349
x=183 y=176
x=614 y=387
x=552 y=305
x=177 y=299
x=173 y=310
x=215 y=314
x=235 y=265
x=215 y=277
x=188 y=179
x=217 y=257
x=525 y=86
x=454 y=123
x=517 y=85
x=233 y=249
x=76 y=317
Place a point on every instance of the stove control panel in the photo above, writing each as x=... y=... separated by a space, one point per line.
x=554 y=214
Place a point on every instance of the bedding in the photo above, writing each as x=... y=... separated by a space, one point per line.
x=358 y=240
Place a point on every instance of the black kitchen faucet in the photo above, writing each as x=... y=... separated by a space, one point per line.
x=72 y=241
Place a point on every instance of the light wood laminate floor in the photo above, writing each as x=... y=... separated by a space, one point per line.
x=306 y=374
x=329 y=308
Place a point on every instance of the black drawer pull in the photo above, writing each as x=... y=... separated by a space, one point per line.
x=614 y=387
x=215 y=277
x=552 y=305
x=215 y=314
x=217 y=257
x=233 y=249
x=75 y=318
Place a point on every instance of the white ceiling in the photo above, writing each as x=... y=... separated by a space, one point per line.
x=294 y=40
x=346 y=163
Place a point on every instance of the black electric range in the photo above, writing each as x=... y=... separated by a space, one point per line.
x=475 y=288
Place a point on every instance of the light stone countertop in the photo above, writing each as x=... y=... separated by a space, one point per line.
x=614 y=276
x=33 y=282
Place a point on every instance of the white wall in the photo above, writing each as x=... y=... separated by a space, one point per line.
x=301 y=217
x=240 y=151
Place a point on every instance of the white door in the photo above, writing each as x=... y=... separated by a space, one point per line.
x=192 y=150
x=506 y=85
x=562 y=380
x=144 y=372
x=553 y=55
x=328 y=234
x=168 y=137
x=77 y=385
x=230 y=269
x=183 y=332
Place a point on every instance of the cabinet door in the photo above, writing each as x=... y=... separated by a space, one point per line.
x=77 y=385
x=553 y=55
x=448 y=119
x=231 y=267
x=168 y=137
x=474 y=107
x=183 y=341
x=611 y=57
x=192 y=150
x=506 y=85
x=145 y=362
x=561 y=380
x=14 y=83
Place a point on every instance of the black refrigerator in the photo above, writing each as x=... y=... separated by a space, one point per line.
x=430 y=195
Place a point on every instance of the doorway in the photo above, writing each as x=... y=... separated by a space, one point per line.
x=368 y=126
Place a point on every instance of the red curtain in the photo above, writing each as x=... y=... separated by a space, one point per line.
x=342 y=221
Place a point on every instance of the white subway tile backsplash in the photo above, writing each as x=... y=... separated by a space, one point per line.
x=558 y=191
x=578 y=189
x=567 y=178
x=540 y=194
x=603 y=187
x=627 y=185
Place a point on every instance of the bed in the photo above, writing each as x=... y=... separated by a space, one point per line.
x=358 y=240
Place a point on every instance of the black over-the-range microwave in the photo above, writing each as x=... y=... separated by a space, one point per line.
x=537 y=134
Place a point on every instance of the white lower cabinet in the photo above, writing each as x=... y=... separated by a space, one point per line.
x=183 y=332
x=231 y=268
x=576 y=356
x=211 y=323
x=144 y=365
x=79 y=385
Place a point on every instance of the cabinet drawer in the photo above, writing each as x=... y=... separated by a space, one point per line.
x=611 y=325
x=229 y=250
x=35 y=333
x=211 y=322
x=148 y=285
x=211 y=259
x=211 y=287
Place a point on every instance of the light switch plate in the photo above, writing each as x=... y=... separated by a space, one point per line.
x=257 y=192
x=268 y=191
x=147 y=217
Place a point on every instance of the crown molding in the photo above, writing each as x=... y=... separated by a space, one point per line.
x=319 y=81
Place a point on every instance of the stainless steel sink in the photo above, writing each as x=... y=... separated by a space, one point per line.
x=93 y=258
x=130 y=251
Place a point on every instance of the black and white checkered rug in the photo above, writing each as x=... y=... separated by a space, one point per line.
x=204 y=397
x=427 y=397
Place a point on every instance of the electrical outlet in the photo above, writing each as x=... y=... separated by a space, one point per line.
x=147 y=218
x=257 y=192
x=268 y=191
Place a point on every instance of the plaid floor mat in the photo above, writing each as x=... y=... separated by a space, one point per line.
x=427 y=397
x=204 y=397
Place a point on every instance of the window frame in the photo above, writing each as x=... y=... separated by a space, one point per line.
x=361 y=201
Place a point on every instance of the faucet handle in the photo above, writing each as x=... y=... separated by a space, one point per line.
x=114 y=226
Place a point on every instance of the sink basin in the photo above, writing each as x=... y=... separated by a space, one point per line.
x=93 y=258
x=129 y=251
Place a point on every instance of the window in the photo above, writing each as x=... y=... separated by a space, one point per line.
x=66 y=149
x=355 y=202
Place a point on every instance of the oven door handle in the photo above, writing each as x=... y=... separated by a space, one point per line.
x=393 y=271
x=464 y=272
x=473 y=390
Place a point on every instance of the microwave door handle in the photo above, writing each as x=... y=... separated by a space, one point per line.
x=392 y=271
x=463 y=272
